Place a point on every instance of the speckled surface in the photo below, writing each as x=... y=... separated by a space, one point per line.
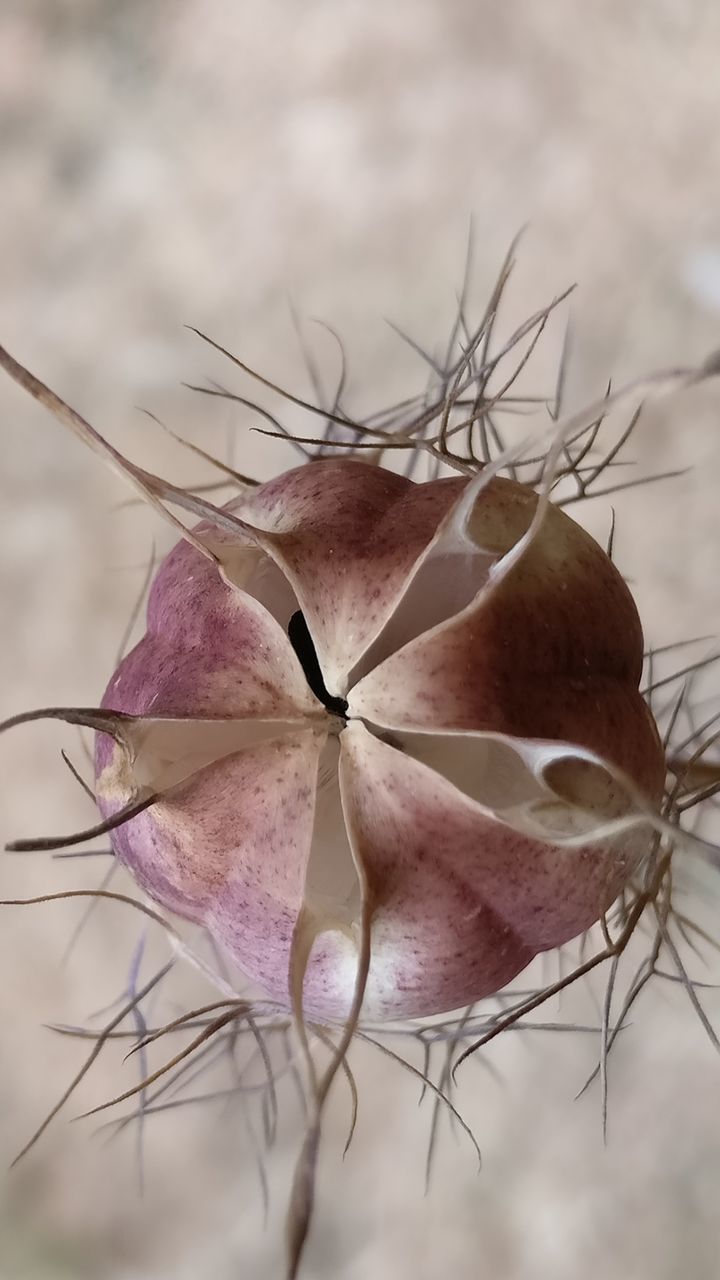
x=165 y=164
x=457 y=903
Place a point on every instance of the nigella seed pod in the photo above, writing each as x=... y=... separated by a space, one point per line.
x=387 y=711
x=383 y=741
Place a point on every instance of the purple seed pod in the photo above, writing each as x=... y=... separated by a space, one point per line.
x=381 y=721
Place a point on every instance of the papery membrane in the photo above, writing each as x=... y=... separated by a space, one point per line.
x=551 y=646
x=214 y=649
x=346 y=535
x=557 y=792
x=444 y=579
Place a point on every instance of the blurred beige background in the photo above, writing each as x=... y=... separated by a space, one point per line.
x=185 y=162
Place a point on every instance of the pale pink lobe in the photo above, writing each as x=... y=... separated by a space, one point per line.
x=229 y=850
x=443 y=883
x=551 y=650
x=460 y=902
x=347 y=536
x=214 y=649
x=246 y=845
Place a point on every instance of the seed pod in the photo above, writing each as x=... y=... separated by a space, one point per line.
x=389 y=720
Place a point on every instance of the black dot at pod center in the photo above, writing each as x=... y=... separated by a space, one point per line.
x=302 y=642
